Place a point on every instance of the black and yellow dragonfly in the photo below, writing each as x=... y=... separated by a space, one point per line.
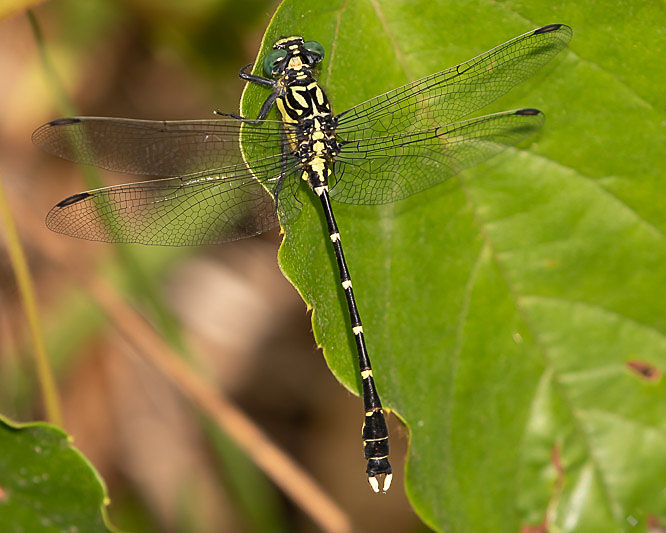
x=382 y=150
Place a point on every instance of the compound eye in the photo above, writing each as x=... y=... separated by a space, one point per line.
x=273 y=60
x=316 y=50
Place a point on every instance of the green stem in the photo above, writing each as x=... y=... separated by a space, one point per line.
x=24 y=280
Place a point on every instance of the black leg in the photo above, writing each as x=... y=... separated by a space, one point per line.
x=232 y=115
x=375 y=432
x=244 y=75
x=263 y=112
x=265 y=107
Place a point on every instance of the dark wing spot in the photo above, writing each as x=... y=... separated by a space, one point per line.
x=73 y=199
x=547 y=29
x=528 y=112
x=64 y=121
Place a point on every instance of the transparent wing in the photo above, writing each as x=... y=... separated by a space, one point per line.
x=454 y=93
x=386 y=169
x=154 y=148
x=204 y=208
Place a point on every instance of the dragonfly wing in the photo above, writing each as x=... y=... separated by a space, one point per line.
x=154 y=148
x=454 y=93
x=385 y=169
x=205 y=208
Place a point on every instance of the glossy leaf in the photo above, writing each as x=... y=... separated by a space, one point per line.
x=45 y=483
x=515 y=314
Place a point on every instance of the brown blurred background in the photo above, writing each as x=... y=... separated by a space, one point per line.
x=226 y=308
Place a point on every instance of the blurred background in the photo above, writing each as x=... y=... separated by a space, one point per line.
x=227 y=309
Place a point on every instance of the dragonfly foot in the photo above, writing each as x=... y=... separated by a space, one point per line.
x=232 y=115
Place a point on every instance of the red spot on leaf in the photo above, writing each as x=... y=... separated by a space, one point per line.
x=539 y=528
x=3 y=495
x=652 y=522
x=644 y=370
x=556 y=461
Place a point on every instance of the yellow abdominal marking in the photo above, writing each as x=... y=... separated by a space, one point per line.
x=299 y=98
x=365 y=375
x=283 y=112
x=357 y=330
x=317 y=164
x=346 y=284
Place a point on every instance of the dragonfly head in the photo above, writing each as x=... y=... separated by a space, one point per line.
x=292 y=53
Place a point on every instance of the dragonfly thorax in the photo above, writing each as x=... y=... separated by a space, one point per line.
x=309 y=123
x=305 y=110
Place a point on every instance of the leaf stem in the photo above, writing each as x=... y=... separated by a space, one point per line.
x=24 y=281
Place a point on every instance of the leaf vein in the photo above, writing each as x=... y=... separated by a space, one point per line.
x=613 y=505
x=525 y=298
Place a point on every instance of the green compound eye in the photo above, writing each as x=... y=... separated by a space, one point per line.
x=315 y=48
x=272 y=60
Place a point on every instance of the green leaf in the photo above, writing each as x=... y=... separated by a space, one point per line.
x=515 y=314
x=45 y=483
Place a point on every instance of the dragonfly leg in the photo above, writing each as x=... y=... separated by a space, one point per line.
x=232 y=115
x=263 y=112
x=244 y=75
x=266 y=107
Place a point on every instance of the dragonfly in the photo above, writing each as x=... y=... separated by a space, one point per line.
x=234 y=177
